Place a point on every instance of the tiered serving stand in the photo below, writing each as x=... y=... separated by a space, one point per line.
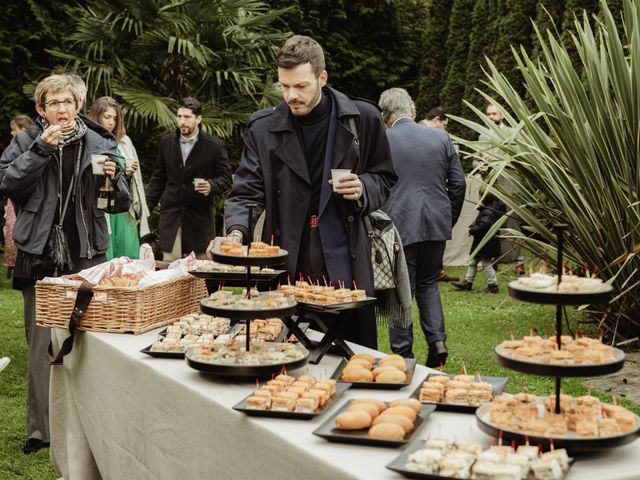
x=238 y=315
x=559 y=299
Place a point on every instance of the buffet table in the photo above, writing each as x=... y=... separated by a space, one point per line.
x=116 y=413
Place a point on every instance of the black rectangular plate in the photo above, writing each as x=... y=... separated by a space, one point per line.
x=399 y=465
x=336 y=307
x=411 y=365
x=498 y=384
x=242 y=407
x=328 y=430
x=171 y=354
x=223 y=276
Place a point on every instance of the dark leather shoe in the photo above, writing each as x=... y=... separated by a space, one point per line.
x=463 y=285
x=438 y=354
x=33 y=445
x=492 y=288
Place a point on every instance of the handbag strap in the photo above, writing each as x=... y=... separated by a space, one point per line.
x=84 y=296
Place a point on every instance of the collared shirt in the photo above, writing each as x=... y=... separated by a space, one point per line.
x=186 y=144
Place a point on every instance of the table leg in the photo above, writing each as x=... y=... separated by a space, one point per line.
x=327 y=342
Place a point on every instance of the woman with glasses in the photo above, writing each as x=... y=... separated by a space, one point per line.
x=46 y=172
x=124 y=239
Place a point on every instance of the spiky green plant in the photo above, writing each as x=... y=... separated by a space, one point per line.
x=150 y=53
x=573 y=153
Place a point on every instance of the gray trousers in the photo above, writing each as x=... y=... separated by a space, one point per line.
x=38 y=368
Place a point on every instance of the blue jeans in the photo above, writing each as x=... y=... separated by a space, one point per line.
x=472 y=268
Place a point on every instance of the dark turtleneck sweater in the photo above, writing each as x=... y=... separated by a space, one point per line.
x=312 y=130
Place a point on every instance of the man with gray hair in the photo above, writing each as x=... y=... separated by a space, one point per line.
x=424 y=205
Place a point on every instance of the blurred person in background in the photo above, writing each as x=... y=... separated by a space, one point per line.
x=17 y=125
x=124 y=236
x=192 y=168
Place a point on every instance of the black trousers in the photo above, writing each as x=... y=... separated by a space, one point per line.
x=424 y=263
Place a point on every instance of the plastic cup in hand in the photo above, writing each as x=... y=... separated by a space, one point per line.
x=337 y=174
x=197 y=181
x=97 y=164
x=128 y=164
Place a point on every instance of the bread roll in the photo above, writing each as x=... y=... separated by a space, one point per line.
x=387 y=431
x=401 y=420
x=363 y=362
x=353 y=420
x=357 y=375
x=399 y=363
x=381 y=405
x=408 y=412
x=391 y=376
x=370 y=408
x=409 y=402
x=366 y=356
x=379 y=370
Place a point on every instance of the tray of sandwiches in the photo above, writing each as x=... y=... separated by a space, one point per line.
x=572 y=290
x=188 y=332
x=258 y=254
x=326 y=298
x=459 y=393
x=286 y=396
x=232 y=360
x=583 y=424
x=368 y=421
x=363 y=370
x=208 y=270
x=255 y=305
x=439 y=458
x=577 y=357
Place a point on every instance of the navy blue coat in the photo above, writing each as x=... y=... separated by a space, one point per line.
x=427 y=200
x=273 y=174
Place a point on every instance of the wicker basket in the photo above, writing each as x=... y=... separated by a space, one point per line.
x=120 y=309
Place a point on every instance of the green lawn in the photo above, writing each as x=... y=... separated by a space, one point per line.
x=475 y=321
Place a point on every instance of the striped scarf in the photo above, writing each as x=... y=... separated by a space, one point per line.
x=77 y=133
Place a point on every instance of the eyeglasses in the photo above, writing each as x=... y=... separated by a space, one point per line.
x=55 y=104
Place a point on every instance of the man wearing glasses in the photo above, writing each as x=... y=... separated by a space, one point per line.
x=46 y=172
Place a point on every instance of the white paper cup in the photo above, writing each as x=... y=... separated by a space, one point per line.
x=196 y=181
x=337 y=173
x=128 y=163
x=97 y=163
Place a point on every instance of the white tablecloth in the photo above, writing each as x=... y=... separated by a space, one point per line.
x=119 y=414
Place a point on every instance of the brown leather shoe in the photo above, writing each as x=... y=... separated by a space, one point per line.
x=443 y=277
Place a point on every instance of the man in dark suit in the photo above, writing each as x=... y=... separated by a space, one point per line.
x=285 y=169
x=424 y=205
x=192 y=168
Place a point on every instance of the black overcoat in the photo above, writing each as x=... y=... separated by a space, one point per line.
x=273 y=174
x=172 y=185
x=489 y=212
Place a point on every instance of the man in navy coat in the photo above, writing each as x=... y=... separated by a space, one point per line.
x=285 y=169
x=424 y=205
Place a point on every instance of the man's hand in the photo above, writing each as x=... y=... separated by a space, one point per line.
x=203 y=187
x=234 y=236
x=349 y=186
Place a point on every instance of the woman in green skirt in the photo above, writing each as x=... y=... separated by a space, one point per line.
x=124 y=236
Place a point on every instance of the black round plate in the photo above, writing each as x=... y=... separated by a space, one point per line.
x=251 y=261
x=222 y=276
x=572 y=444
x=245 y=314
x=246 y=371
x=532 y=295
x=547 y=369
